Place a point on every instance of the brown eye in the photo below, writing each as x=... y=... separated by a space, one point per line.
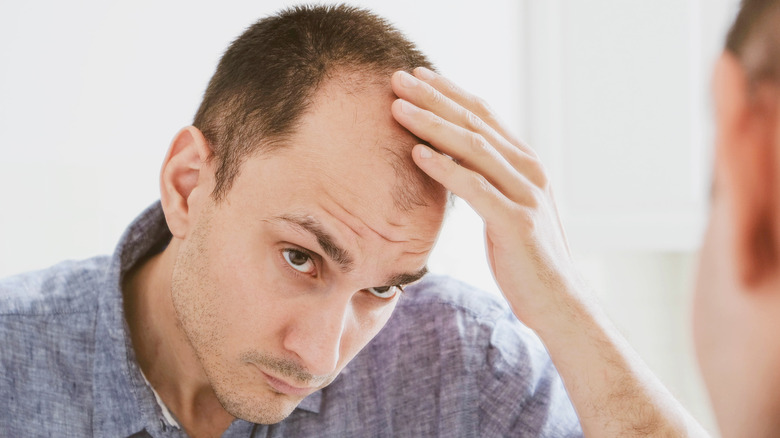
x=384 y=292
x=298 y=260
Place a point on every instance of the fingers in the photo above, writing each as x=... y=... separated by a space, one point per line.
x=470 y=149
x=472 y=103
x=465 y=183
x=425 y=96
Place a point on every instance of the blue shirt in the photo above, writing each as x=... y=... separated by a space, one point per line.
x=451 y=361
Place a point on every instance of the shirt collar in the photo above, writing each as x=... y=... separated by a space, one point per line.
x=124 y=404
x=312 y=403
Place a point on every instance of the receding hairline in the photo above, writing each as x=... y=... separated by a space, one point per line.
x=268 y=74
x=412 y=188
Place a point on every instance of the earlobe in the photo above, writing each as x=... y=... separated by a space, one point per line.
x=745 y=160
x=181 y=176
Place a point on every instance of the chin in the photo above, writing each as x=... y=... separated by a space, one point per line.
x=268 y=408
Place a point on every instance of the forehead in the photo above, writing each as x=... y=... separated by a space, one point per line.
x=343 y=161
x=349 y=119
x=349 y=141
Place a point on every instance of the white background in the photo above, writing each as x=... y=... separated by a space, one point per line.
x=612 y=93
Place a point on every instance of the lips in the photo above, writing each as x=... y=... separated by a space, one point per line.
x=283 y=387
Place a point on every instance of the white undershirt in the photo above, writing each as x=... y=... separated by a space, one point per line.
x=169 y=418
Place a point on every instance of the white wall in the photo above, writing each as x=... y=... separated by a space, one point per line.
x=91 y=92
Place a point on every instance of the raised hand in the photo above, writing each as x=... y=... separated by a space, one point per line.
x=502 y=179
x=478 y=159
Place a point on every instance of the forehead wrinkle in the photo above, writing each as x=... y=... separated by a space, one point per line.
x=427 y=244
x=351 y=228
x=362 y=222
x=328 y=244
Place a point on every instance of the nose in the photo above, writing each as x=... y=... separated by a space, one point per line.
x=318 y=332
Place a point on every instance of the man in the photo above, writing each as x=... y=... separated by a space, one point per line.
x=291 y=218
x=269 y=283
x=737 y=301
x=737 y=304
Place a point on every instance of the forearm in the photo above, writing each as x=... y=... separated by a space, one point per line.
x=503 y=180
x=613 y=391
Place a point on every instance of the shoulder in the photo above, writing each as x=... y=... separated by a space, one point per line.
x=449 y=317
x=469 y=360
x=446 y=294
x=47 y=321
x=67 y=287
x=461 y=314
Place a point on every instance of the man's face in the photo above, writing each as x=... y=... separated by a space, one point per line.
x=715 y=276
x=732 y=350
x=281 y=284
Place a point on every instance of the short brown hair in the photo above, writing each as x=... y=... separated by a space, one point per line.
x=268 y=76
x=755 y=39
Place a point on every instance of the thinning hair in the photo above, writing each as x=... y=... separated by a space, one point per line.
x=269 y=75
x=755 y=39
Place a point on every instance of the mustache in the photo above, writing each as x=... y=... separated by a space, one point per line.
x=284 y=367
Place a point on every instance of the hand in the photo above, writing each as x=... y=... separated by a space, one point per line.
x=502 y=179
x=505 y=183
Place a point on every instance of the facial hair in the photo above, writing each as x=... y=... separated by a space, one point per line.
x=197 y=303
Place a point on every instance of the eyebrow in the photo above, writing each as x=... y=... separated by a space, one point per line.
x=339 y=255
x=326 y=241
x=404 y=279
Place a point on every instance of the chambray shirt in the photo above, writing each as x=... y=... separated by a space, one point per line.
x=452 y=361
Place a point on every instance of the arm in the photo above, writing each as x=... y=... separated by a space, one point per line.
x=502 y=179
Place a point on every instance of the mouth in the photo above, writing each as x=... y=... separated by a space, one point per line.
x=282 y=387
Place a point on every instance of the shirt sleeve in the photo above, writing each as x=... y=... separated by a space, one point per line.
x=521 y=393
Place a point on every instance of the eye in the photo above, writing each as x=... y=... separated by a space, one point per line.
x=384 y=292
x=299 y=260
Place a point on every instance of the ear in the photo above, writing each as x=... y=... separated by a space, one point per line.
x=184 y=172
x=746 y=170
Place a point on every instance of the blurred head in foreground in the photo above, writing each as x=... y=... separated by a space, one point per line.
x=737 y=301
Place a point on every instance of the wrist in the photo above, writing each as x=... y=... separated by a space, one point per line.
x=555 y=309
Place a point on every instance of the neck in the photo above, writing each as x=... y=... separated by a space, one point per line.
x=163 y=351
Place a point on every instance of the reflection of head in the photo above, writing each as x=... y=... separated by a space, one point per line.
x=755 y=39
x=737 y=300
x=268 y=77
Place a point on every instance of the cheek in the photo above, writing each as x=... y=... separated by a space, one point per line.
x=711 y=297
x=368 y=320
x=250 y=292
x=701 y=302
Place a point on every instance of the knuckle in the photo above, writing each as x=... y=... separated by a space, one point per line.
x=540 y=177
x=523 y=217
x=482 y=108
x=435 y=122
x=543 y=180
x=478 y=145
x=527 y=150
x=473 y=122
x=437 y=98
x=535 y=197
x=480 y=184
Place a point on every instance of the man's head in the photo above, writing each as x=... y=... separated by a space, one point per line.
x=295 y=207
x=737 y=304
x=268 y=77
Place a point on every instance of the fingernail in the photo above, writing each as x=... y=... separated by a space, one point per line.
x=424 y=73
x=408 y=108
x=425 y=152
x=407 y=80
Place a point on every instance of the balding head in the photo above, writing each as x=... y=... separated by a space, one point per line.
x=268 y=78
